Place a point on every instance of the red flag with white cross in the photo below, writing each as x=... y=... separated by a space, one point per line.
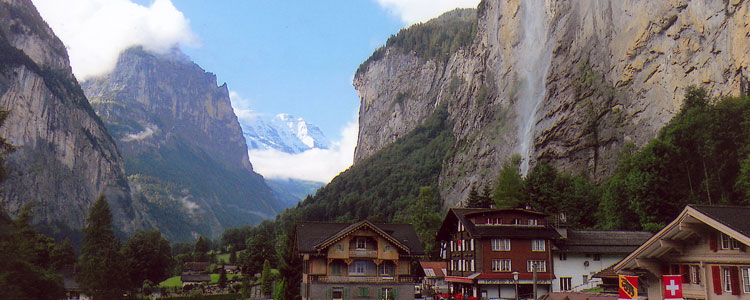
x=672 y=286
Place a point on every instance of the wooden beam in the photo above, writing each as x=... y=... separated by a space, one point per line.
x=694 y=228
x=673 y=244
x=653 y=266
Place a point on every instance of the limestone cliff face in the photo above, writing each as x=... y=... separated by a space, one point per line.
x=182 y=143
x=567 y=81
x=64 y=157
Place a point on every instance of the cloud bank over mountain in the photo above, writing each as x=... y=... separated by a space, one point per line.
x=96 y=31
x=415 y=11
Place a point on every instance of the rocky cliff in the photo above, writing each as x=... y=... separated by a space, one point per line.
x=183 y=147
x=64 y=157
x=567 y=81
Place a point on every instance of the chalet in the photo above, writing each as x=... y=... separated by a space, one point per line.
x=362 y=260
x=434 y=277
x=706 y=246
x=580 y=254
x=497 y=253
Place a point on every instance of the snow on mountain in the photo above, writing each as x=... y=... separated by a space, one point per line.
x=282 y=132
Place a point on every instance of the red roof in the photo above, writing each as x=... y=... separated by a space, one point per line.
x=435 y=266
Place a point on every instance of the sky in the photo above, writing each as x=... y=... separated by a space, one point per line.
x=295 y=56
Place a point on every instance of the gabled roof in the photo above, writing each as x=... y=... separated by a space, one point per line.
x=316 y=236
x=436 y=267
x=730 y=220
x=509 y=231
x=603 y=241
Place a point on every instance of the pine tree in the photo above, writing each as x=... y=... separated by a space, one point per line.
x=266 y=285
x=474 y=200
x=222 y=277
x=101 y=266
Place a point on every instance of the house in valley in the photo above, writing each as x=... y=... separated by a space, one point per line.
x=497 y=253
x=578 y=255
x=706 y=246
x=362 y=260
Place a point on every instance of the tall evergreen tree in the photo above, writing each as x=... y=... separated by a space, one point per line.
x=473 y=200
x=509 y=190
x=148 y=257
x=101 y=266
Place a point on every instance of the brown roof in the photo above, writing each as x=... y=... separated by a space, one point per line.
x=603 y=241
x=197 y=266
x=435 y=266
x=310 y=236
x=735 y=217
x=509 y=231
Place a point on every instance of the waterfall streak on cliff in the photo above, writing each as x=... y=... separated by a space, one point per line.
x=533 y=63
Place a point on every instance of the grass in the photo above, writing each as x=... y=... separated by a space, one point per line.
x=176 y=282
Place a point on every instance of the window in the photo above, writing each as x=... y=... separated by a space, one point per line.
x=745 y=280
x=500 y=244
x=361 y=243
x=387 y=293
x=533 y=222
x=501 y=265
x=563 y=256
x=540 y=265
x=386 y=269
x=695 y=274
x=537 y=245
x=585 y=278
x=727 y=279
x=387 y=248
x=358 y=268
x=364 y=292
x=472 y=265
x=728 y=243
x=339 y=247
x=597 y=257
x=565 y=283
x=337 y=293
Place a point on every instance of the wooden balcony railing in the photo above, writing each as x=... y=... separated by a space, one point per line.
x=364 y=279
x=363 y=253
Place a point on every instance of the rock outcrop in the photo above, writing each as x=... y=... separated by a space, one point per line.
x=183 y=147
x=612 y=73
x=64 y=157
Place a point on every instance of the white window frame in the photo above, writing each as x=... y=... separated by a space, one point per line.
x=540 y=263
x=501 y=245
x=472 y=265
x=357 y=242
x=501 y=265
x=745 y=279
x=566 y=283
x=335 y=290
x=726 y=280
x=538 y=245
x=728 y=243
x=533 y=222
x=695 y=274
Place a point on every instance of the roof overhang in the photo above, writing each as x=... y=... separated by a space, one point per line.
x=672 y=238
x=357 y=226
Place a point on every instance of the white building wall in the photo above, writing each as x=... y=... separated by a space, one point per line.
x=575 y=267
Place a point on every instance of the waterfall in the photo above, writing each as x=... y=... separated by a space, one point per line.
x=533 y=62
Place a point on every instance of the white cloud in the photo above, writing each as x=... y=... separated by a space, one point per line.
x=147 y=133
x=414 y=11
x=241 y=106
x=315 y=164
x=96 y=31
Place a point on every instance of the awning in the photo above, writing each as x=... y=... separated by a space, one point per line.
x=460 y=279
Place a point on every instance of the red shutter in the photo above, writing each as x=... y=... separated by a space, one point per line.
x=716 y=274
x=713 y=243
x=734 y=273
x=685 y=272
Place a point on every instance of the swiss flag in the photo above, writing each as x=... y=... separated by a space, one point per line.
x=672 y=286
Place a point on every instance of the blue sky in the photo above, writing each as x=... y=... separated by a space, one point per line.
x=294 y=56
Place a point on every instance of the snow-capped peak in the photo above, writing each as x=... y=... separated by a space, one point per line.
x=282 y=132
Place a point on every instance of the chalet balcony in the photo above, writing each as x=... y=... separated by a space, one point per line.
x=364 y=279
x=363 y=253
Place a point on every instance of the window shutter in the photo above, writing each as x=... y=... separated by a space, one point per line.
x=395 y=293
x=734 y=273
x=380 y=293
x=330 y=293
x=716 y=274
x=685 y=272
x=713 y=243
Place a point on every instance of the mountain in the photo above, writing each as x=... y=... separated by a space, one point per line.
x=291 y=191
x=182 y=144
x=569 y=82
x=282 y=132
x=64 y=157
